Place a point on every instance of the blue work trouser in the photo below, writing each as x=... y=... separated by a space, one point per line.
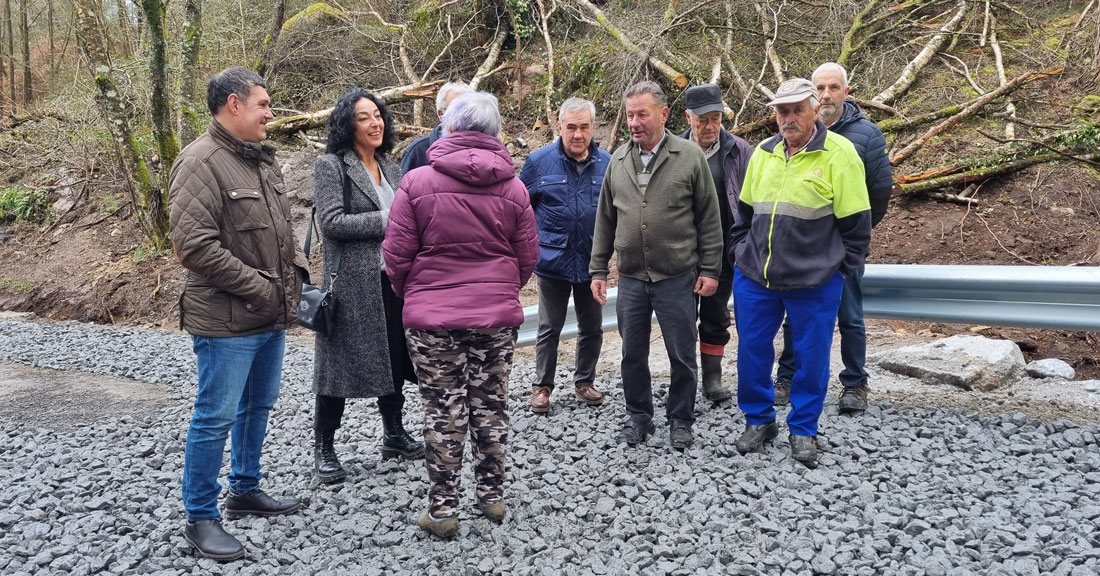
x=853 y=336
x=812 y=315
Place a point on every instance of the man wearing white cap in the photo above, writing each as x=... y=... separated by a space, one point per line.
x=803 y=222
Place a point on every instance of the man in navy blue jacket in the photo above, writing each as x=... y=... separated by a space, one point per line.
x=564 y=179
x=416 y=155
x=846 y=118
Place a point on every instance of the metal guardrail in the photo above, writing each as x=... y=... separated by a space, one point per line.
x=1058 y=297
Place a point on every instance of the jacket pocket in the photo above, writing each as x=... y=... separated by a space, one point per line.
x=250 y=314
x=553 y=239
x=245 y=209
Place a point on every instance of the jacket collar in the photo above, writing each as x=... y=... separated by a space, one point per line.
x=251 y=151
x=727 y=146
x=593 y=152
x=361 y=179
x=816 y=143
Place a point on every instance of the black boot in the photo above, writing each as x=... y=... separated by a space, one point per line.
x=325 y=463
x=396 y=442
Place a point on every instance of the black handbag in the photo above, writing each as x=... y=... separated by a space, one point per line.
x=317 y=307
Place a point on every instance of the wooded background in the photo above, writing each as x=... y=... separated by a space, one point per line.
x=112 y=89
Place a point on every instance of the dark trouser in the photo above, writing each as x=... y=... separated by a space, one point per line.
x=329 y=410
x=759 y=313
x=553 y=303
x=853 y=336
x=463 y=378
x=673 y=300
x=714 y=315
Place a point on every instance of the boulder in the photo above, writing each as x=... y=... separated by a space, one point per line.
x=967 y=362
x=1051 y=368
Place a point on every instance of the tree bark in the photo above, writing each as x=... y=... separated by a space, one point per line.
x=544 y=26
x=896 y=125
x=25 y=30
x=148 y=202
x=770 y=32
x=667 y=71
x=490 y=60
x=849 y=44
x=980 y=174
x=11 y=56
x=49 y=29
x=278 y=18
x=125 y=28
x=909 y=74
x=189 y=123
x=167 y=144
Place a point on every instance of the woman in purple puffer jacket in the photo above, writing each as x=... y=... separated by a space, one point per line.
x=460 y=242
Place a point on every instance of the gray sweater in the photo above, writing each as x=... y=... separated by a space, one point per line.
x=672 y=228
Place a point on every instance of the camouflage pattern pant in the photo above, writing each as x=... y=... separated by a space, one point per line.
x=463 y=377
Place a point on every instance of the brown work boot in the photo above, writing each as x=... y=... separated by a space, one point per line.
x=589 y=394
x=540 y=399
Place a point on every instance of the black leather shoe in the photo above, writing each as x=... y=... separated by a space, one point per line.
x=210 y=540
x=804 y=449
x=681 y=438
x=634 y=433
x=755 y=436
x=257 y=503
x=325 y=463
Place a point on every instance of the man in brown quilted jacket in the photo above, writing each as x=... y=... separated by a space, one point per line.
x=230 y=227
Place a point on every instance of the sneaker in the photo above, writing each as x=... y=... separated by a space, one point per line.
x=443 y=527
x=782 y=392
x=853 y=399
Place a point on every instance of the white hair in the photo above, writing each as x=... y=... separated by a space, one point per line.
x=473 y=111
x=577 y=105
x=448 y=89
x=832 y=66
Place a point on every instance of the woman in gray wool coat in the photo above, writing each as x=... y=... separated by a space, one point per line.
x=366 y=356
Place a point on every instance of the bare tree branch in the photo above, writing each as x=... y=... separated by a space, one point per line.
x=909 y=74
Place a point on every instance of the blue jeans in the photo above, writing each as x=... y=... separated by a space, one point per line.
x=812 y=314
x=239 y=381
x=853 y=336
x=673 y=301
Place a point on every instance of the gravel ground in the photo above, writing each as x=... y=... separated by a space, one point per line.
x=914 y=491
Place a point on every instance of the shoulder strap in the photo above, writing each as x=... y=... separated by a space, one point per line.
x=339 y=249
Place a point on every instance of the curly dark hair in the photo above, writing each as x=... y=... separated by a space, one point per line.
x=341 y=125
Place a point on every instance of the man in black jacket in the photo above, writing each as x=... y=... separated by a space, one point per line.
x=846 y=118
x=727 y=155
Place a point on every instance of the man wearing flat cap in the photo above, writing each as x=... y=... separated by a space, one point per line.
x=803 y=223
x=727 y=155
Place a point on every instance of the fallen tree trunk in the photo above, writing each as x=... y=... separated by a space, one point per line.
x=965 y=113
x=667 y=71
x=947 y=111
x=291 y=124
x=981 y=174
x=486 y=67
x=909 y=73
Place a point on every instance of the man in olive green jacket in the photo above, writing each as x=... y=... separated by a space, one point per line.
x=230 y=227
x=658 y=210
